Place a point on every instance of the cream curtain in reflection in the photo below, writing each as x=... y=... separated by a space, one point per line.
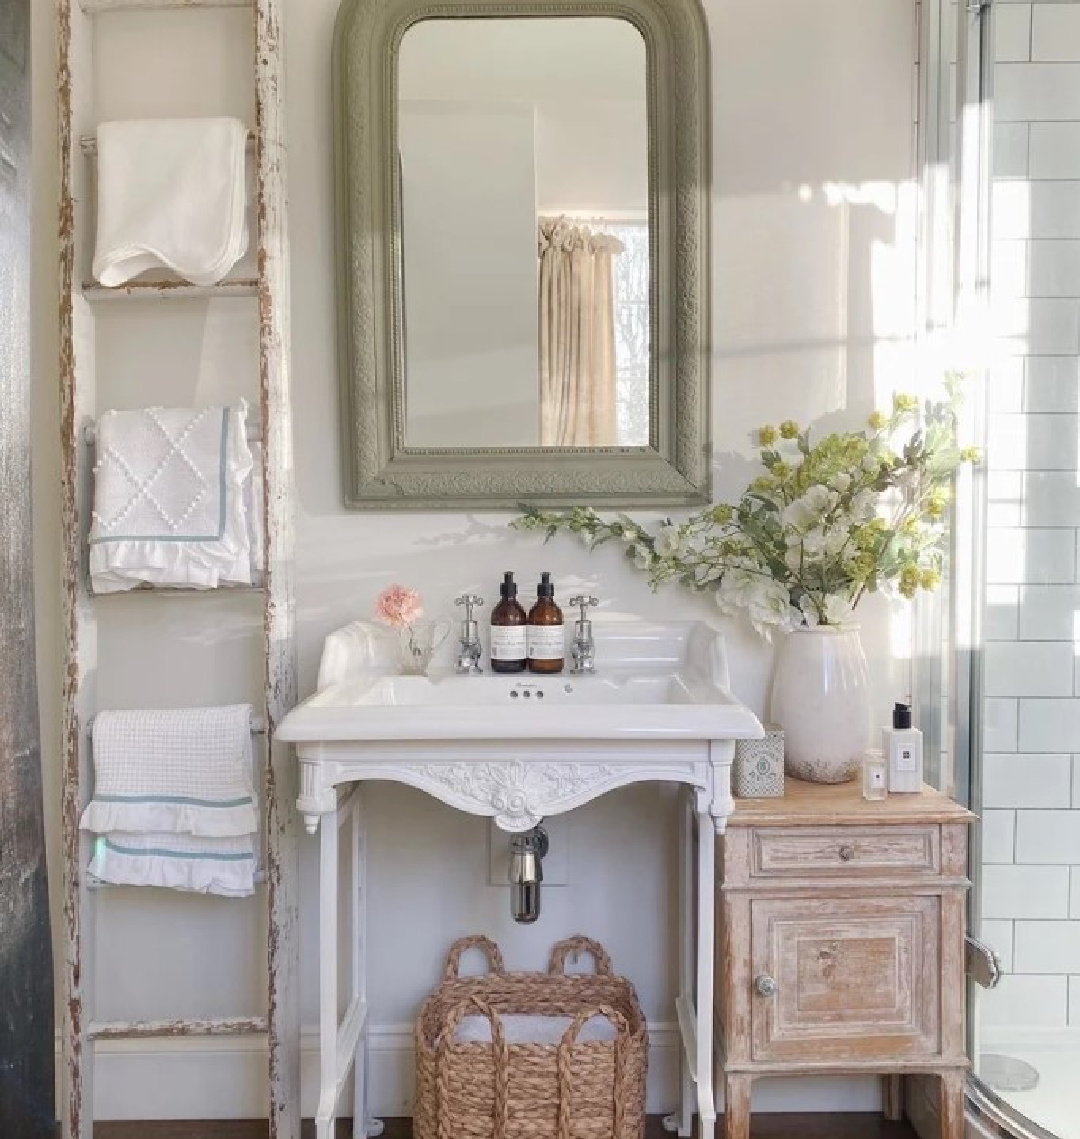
x=577 y=335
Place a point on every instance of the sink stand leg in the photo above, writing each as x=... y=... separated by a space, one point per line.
x=328 y=975
x=706 y=934
x=681 y=1121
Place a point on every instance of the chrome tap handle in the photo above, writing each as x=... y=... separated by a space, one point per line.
x=471 y=601
x=584 y=603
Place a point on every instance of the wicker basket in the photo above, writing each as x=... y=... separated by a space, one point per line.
x=575 y=1089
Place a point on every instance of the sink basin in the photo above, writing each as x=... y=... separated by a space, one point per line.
x=653 y=682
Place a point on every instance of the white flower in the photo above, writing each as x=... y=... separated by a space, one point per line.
x=793 y=558
x=642 y=556
x=863 y=507
x=766 y=601
x=870 y=464
x=841 y=482
x=806 y=510
x=669 y=544
x=838 y=610
x=809 y=613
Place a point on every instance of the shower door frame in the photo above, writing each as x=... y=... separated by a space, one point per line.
x=955 y=170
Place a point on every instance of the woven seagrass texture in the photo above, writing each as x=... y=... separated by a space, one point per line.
x=500 y=1090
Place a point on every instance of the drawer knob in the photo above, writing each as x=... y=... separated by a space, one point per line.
x=766 y=986
x=847 y=853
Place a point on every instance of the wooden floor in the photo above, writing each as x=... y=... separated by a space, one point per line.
x=764 y=1127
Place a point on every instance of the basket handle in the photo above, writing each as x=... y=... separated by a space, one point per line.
x=575 y=945
x=473 y=1007
x=565 y=1064
x=463 y=945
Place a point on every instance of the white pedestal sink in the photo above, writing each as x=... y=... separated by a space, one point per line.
x=517 y=749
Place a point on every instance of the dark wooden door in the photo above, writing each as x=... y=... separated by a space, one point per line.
x=27 y=1107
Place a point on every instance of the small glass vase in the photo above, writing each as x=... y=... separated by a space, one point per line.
x=417 y=644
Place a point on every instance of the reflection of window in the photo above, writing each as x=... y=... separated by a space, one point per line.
x=631 y=331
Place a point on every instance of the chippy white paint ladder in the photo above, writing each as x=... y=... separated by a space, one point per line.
x=270 y=289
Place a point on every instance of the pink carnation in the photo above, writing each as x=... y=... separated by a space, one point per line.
x=398 y=606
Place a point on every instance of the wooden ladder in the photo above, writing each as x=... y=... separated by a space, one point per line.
x=268 y=289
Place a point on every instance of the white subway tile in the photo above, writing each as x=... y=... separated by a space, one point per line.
x=1076 y=781
x=1053 y=268
x=1009 y=269
x=1028 y=668
x=1004 y=514
x=1042 y=210
x=1037 y=326
x=1002 y=616
x=1005 y=387
x=1054 y=150
x=999 y=725
x=1035 y=1002
x=1011 y=143
x=1048 y=612
x=1049 y=838
x=1051 y=383
x=1055 y=33
x=1074 y=1001
x=1029 y=92
x=1025 y=892
x=1051 y=498
x=1046 y=946
x=997 y=829
x=1030 y=555
x=1012 y=33
x=1004 y=486
x=1023 y=780
x=1031 y=442
x=1074 y=894
x=999 y=936
x=1048 y=725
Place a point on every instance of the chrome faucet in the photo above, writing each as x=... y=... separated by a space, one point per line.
x=470 y=650
x=583 y=647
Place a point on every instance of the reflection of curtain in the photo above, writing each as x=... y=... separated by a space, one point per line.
x=577 y=335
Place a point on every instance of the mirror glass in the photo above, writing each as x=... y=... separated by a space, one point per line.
x=524 y=173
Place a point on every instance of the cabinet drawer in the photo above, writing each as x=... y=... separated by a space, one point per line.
x=840 y=979
x=850 y=851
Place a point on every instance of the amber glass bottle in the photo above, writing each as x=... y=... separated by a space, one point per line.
x=508 y=621
x=546 y=636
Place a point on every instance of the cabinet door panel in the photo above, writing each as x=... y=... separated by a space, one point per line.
x=854 y=978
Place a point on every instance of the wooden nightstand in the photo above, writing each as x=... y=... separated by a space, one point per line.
x=840 y=942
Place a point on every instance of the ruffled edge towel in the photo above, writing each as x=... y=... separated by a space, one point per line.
x=223 y=866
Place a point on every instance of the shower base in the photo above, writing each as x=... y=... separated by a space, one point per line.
x=1054 y=1103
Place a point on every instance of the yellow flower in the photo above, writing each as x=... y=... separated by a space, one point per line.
x=781 y=470
x=878 y=420
x=909 y=580
x=904 y=402
x=789 y=429
x=762 y=484
x=911 y=527
x=971 y=455
x=936 y=503
x=929 y=579
x=767 y=435
x=722 y=513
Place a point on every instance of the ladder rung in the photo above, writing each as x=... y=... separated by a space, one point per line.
x=210 y=1026
x=150 y=5
x=170 y=290
x=88 y=144
x=146 y=588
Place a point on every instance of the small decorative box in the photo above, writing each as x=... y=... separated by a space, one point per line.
x=758 y=771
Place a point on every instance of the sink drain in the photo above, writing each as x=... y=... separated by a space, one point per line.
x=1007 y=1073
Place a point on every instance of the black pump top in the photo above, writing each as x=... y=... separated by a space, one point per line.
x=901 y=716
x=545 y=588
x=509 y=586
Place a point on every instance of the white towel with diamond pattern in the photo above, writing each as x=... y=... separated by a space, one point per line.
x=224 y=866
x=169 y=502
x=171 y=194
x=173 y=771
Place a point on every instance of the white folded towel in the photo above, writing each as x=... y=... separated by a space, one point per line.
x=224 y=866
x=169 y=499
x=175 y=771
x=171 y=193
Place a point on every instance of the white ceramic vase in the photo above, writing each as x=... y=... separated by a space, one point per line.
x=821 y=698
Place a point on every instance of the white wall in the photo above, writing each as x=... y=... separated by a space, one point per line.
x=814 y=263
x=1031 y=779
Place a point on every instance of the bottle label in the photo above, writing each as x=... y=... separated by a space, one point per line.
x=508 y=642
x=546 y=642
x=906 y=759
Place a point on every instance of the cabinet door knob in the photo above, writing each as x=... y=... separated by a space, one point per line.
x=766 y=986
x=847 y=853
